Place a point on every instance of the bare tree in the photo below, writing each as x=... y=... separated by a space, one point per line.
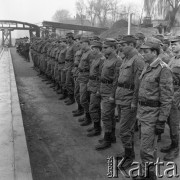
x=81 y=11
x=167 y=8
x=171 y=14
x=102 y=9
x=114 y=10
x=61 y=15
x=90 y=11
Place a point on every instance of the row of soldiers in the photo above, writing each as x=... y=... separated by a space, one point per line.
x=140 y=76
x=22 y=47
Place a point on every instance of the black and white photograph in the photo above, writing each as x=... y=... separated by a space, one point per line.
x=89 y=89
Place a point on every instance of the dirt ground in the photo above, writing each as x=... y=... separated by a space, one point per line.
x=58 y=146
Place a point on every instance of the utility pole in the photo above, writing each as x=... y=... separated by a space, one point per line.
x=129 y=22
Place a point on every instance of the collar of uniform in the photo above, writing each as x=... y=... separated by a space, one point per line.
x=99 y=55
x=112 y=55
x=155 y=63
x=177 y=57
x=132 y=53
x=86 y=50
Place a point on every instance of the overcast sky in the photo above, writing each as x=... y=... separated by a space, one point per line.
x=35 y=11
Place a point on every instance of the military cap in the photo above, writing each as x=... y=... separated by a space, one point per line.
x=85 y=39
x=159 y=36
x=140 y=35
x=95 y=38
x=175 y=39
x=151 y=43
x=129 y=39
x=166 y=41
x=78 y=36
x=109 y=42
x=96 y=43
x=70 y=34
x=63 y=40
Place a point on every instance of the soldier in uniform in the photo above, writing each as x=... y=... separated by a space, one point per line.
x=80 y=110
x=127 y=95
x=172 y=150
x=108 y=86
x=94 y=88
x=154 y=104
x=140 y=37
x=69 y=63
x=83 y=78
x=61 y=63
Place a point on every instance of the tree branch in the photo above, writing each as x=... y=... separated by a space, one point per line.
x=170 y=3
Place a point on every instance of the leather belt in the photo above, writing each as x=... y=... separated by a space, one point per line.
x=176 y=83
x=69 y=60
x=94 y=78
x=126 y=86
x=150 y=103
x=83 y=70
x=104 y=81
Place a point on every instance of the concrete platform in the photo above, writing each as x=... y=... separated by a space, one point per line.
x=14 y=157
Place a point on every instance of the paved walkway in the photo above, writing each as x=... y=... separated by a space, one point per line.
x=14 y=157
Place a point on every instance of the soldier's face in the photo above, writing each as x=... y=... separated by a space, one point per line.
x=148 y=55
x=139 y=42
x=126 y=48
x=84 y=45
x=175 y=47
x=69 y=39
x=107 y=50
x=95 y=50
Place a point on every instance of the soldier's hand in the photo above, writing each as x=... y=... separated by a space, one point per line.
x=111 y=99
x=133 y=107
x=98 y=93
x=159 y=127
x=179 y=106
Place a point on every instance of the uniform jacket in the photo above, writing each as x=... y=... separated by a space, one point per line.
x=110 y=71
x=84 y=65
x=70 y=53
x=156 y=85
x=174 y=65
x=129 y=73
x=95 y=71
x=62 y=55
x=77 y=59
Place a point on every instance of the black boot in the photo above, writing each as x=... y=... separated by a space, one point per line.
x=82 y=119
x=56 y=87
x=173 y=154
x=106 y=142
x=64 y=95
x=68 y=99
x=71 y=100
x=79 y=112
x=59 y=91
x=167 y=149
x=150 y=176
x=90 y=129
x=53 y=85
x=96 y=131
x=159 y=138
x=87 y=120
x=121 y=155
x=113 y=137
x=127 y=159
